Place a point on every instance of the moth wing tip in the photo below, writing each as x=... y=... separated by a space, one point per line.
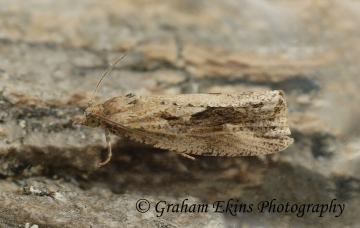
x=291 y=141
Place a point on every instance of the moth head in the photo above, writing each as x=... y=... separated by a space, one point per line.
x=92 y=122
x=88 y=119
x=78 y=120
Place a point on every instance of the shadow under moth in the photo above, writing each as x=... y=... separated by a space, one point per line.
x=242 y=124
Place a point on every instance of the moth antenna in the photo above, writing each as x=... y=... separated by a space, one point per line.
x=106 y=73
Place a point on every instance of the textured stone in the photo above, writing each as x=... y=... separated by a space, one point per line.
x=53 y=53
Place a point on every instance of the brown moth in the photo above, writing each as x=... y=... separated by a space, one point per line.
x=242 y=124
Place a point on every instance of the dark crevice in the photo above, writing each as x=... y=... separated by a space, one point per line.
x=298 y=83
x=347 y=188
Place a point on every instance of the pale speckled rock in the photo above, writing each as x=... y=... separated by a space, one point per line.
x=52 y=54
x=32 y=200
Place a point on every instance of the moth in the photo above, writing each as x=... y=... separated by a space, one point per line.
x=242 y=124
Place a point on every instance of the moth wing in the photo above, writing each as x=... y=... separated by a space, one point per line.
x=212 y=144
x=238 y=144
x=204 y=124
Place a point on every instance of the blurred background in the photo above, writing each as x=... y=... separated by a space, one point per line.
x=53 y=53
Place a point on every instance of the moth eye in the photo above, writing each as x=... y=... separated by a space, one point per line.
x=93 y=122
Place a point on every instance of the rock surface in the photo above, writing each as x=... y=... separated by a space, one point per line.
x=53 y=53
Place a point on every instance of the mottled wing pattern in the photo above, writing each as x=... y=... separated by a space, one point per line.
x=249 y=123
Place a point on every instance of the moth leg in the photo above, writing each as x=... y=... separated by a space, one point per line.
x=107 y=136
x=187 y=156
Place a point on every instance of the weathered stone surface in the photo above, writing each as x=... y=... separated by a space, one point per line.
x=53 y=53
